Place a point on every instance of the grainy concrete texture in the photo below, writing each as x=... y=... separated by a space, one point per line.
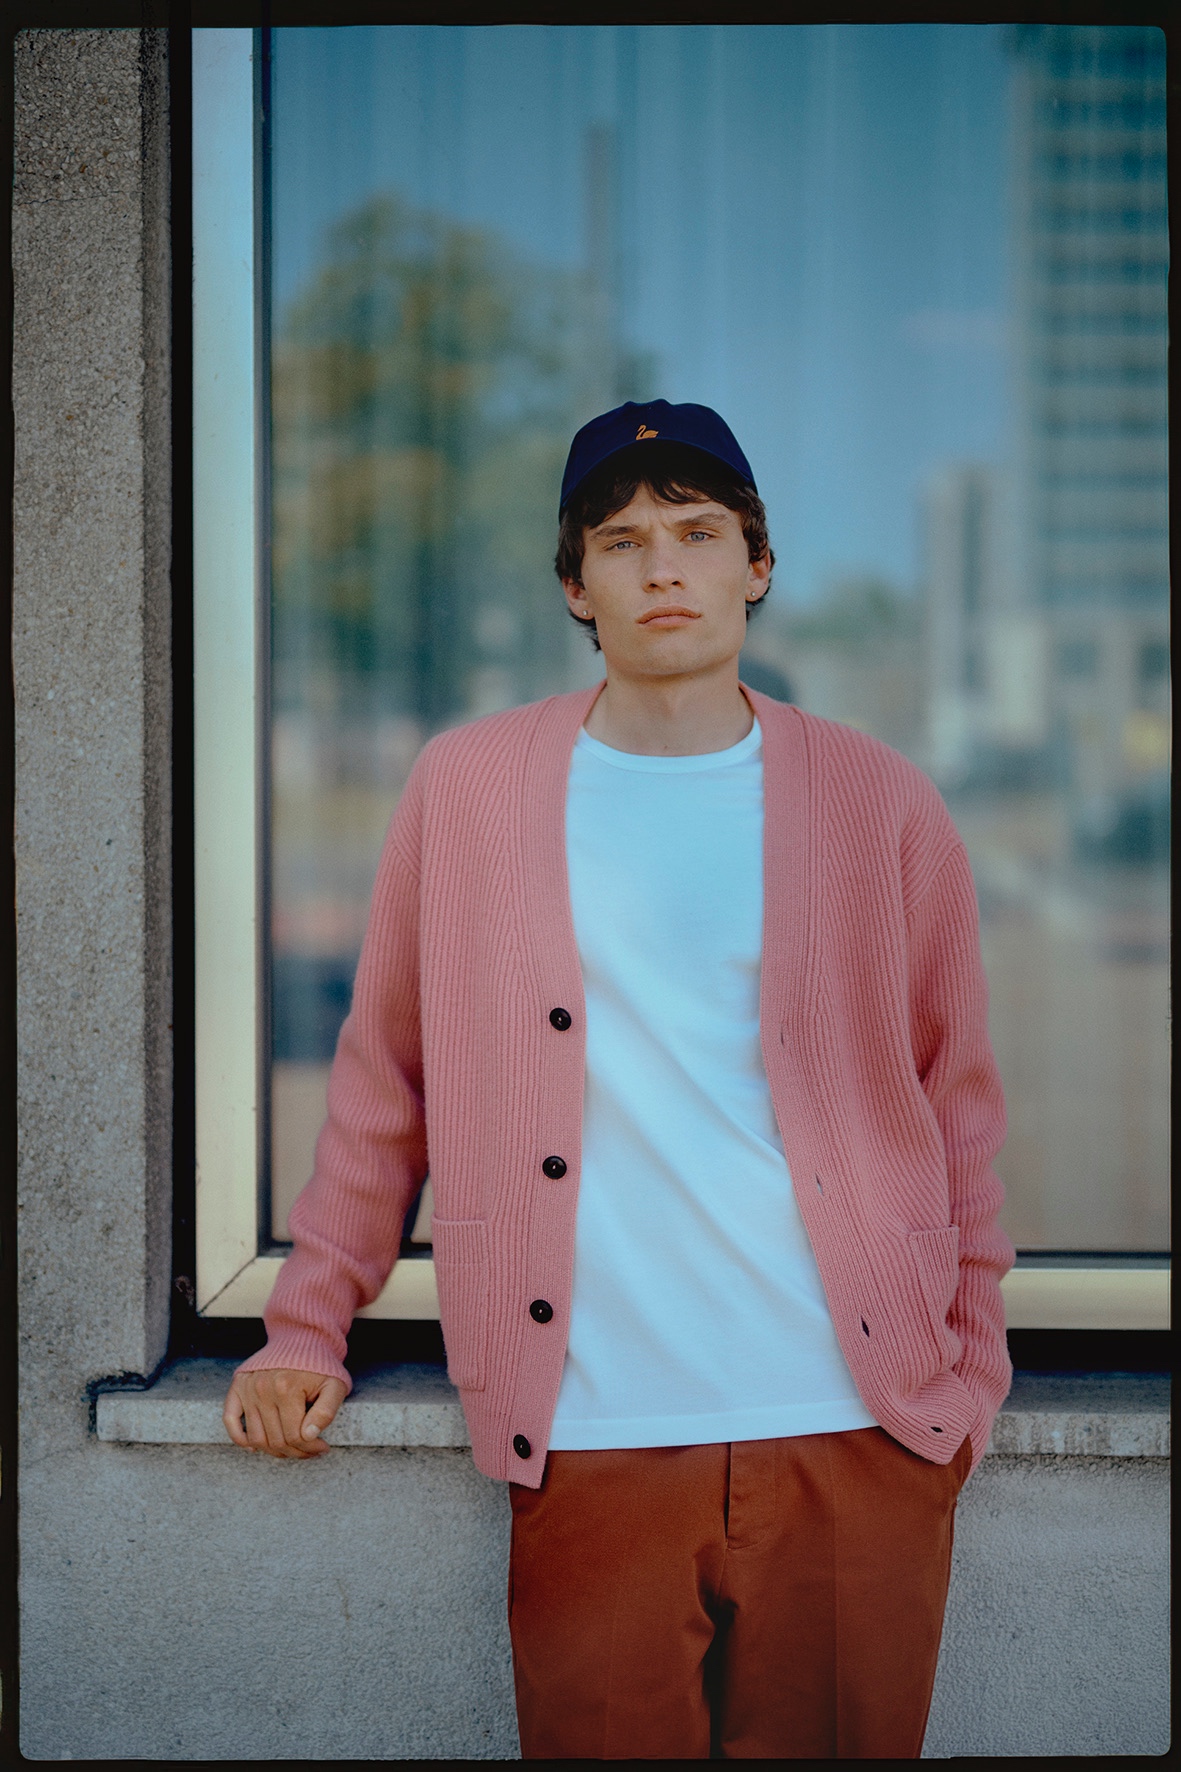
x=187 y=1601
x=92 y=670
x=196 y=1603
x=199 y=1603
x=1057 y=1632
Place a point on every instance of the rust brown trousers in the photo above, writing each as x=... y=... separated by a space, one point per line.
x=766 y=1599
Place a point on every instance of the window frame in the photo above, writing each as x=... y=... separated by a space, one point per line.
x=237 y=1262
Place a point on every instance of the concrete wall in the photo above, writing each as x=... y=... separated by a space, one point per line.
x=188 y=1602
x=92 y=669
x=193 y=1603
x=196 y=1603
x=1057 y=1632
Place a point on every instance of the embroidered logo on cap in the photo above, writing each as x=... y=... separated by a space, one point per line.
x=642 y=433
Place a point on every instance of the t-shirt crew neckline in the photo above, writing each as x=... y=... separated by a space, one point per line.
x=638 y=760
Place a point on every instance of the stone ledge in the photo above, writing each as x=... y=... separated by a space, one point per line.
x=1071 y=1415
x=404 y=1405
x=1084 y=1415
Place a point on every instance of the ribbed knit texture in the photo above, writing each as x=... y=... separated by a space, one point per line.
x=875 y=1039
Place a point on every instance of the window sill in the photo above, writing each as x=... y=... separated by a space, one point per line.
x=1063 y=1415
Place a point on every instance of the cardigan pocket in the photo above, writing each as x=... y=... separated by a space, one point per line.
x=935 y=1257
x=461 y=1274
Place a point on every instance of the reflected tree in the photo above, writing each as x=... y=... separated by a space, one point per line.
x=426 y=383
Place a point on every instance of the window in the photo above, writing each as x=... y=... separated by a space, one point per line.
x=424 y=255
x=1153 y=661
x=1078 y=658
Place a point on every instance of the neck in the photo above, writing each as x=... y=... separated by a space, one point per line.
x=672 y=716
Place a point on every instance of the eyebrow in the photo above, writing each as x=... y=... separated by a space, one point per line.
x=712 y=513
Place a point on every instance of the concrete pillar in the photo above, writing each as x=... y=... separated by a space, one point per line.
x=92 y=619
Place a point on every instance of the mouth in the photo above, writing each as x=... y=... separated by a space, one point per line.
x=668 y=613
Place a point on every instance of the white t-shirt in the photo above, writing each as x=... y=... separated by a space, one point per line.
x=698 y=1313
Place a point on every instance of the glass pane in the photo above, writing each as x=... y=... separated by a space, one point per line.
x=921 y=271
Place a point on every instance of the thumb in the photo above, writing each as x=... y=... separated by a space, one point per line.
x=329 y=1399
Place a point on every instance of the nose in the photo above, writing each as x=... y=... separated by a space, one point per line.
x=663 y=566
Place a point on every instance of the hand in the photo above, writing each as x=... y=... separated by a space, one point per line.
x=283 y=1413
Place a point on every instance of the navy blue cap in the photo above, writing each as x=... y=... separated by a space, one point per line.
x=642 y=421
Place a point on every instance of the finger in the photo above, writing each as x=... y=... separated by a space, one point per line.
x=256 y=1437
x=290 y=1401
x=273 y=1428
x=292 y=1416
x=232 y=1417
x=323 y=1410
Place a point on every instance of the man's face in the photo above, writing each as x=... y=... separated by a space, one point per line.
x=667 y=586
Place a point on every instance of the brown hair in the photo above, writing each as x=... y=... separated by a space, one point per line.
x=674 y=473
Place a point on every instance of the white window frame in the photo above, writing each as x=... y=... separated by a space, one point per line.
x=235 y=1268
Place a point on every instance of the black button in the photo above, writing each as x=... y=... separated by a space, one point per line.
x=554 y=1168
x=936 y=1430
x=540 y=1311
x=560 y=1019
x=521 y=1446
x=865 y=1325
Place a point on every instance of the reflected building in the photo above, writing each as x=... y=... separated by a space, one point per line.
x=1090 y=338
x=986 y=648
x=1046 y=657
x=601 y=267
x=613 y=367
x=853 y=657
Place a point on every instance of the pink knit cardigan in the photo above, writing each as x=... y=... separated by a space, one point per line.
x=874 y=1033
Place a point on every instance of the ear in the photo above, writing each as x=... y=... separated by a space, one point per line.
x=576 y=598
x=758 y=578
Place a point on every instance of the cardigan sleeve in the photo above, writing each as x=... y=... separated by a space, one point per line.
x=371 y=1155
x=955 y=1064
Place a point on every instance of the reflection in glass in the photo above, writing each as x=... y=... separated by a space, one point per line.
x=921 y=271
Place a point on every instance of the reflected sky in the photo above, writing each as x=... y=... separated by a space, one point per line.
x=810 y=224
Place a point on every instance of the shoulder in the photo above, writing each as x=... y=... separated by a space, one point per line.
x=487 y=748
x=844 y=754
x=878 y=795
x=851 y=755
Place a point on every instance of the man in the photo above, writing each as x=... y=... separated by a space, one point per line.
x=682 y=989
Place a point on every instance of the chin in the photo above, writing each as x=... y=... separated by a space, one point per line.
x=674 y=662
